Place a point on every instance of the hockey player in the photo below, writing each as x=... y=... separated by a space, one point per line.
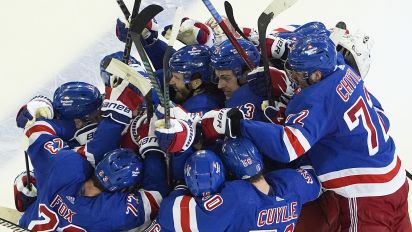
x=191 y=76
x=231 y=71
x=270 y=202
x=322 y=119
x=70 y=196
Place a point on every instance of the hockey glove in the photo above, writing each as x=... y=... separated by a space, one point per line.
x=120 y=101
x=121 y=30
x=192 y=32
x=23 y=197
x=179 y=137
x=274 y=114
x=149 y=33
x=282 y=87
x=217 y=123
x=38 y=107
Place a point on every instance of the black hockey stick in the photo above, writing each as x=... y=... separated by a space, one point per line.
x=263 y=22
x=408 y=174
x=12 y=226
x=231 y=18
x=136 y=29
x=135 y=11
x=26 y=157
x=274 y=8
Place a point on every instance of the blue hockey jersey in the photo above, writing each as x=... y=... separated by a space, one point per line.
x=344 y=132
x=60 y=205
x=240 y=206
x=248 y=102
x=201 y=103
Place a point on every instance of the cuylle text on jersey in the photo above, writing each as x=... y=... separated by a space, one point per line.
x=63 y=210
x=348 y=84
x=279 y=214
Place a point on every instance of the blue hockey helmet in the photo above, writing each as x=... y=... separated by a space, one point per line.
x=225 y=56
x=119 y=56
x=316 y=28
x=192 y=59
x=312 y=53
x=242 y=157
x=204 y=173
x=119 y=169
x=76 y=100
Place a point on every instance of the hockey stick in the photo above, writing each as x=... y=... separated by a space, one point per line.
x=124 y=71
x=136 y=28
x=26 y=158
x=408 y=174
x=166 y=57
x=231 y=18
x=272 y=10
x=229 y=34
x=128 y=45
x=175 y=29
x=12 y=226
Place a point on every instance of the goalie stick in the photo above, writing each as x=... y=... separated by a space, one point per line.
x=124 y=71
x=128 y=45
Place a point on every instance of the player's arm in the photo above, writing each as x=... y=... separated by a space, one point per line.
x=302 y=182
x=302 y=129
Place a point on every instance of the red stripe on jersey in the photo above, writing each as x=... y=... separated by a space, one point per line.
x=185 y=214
x=153 y=205
x=299 y=150
x=39 y=128
x=367 y=178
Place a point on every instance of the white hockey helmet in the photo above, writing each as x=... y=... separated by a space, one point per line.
x=356 y=49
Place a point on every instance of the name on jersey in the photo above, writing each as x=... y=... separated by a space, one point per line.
x=348 y=84
x=281 y=214
x=63 y=210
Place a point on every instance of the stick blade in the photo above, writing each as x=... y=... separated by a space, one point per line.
x=124 y=71
x=278 y=6
x=140 y=21
x=176 y=25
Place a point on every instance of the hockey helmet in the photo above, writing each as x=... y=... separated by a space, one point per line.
x=119 y=169
x=242 y=157
x=76 y=100
x=204 y=173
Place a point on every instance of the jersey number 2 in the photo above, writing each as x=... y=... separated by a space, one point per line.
x=50 y=222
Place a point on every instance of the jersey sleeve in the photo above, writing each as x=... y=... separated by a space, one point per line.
x=45 y=141
x=301 y=182
x=107 y=137
x=154 y=172
x=302 y=129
